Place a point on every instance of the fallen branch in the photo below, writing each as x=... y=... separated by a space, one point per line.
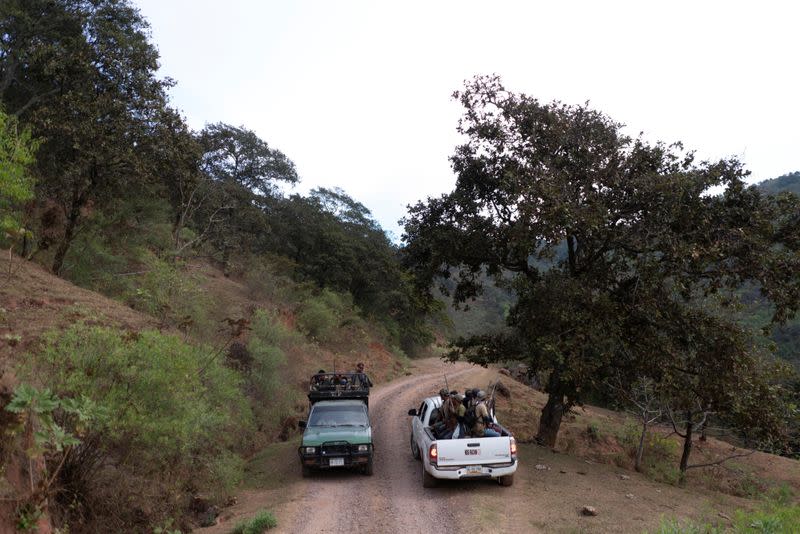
x=719 y=462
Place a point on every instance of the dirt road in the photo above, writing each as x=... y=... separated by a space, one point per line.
x=549 y=491
x=393 y=499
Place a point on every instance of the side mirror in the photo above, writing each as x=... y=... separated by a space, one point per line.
x=302 y=424
x=412 y=411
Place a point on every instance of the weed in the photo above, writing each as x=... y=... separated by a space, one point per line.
x=226 y=471
x=673 y=526
x=166 y=528
x=28 y=516
x=775 y=516
x=593 y=432
x=258 y=524
x=659 y=456
x=781 y=495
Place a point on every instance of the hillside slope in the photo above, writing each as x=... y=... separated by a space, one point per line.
x=34 y=305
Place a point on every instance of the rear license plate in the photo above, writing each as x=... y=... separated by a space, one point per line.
x=473 y=470
x=334 y=462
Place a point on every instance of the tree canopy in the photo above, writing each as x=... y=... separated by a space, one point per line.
x=83 y=75
x=643 y=240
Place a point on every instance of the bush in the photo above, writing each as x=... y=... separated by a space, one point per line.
x=168 y=293
x=777 y=515
x=270 y=278
x=117 y=243
x=225 y=473
x=659 y=455
x=175 y=412
x=273 y=397
x=269 y=329
x=258 y=524
x=317 y=318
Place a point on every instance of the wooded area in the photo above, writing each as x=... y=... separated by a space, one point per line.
x=603 y=262
x=653 y=269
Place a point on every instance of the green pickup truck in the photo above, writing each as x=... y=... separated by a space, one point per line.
x=337 y=433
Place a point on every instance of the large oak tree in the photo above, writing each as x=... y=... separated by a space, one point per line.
x=610 y=240
x=82 y=74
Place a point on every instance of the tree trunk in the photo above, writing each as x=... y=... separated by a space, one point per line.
x=66 y=241
x=553 y=411
x=640 y=449
x=177 y=227
x=687 y=443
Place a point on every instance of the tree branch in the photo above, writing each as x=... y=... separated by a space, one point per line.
x=34 y=99
x=718 y=462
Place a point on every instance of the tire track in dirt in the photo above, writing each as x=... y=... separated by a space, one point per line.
x=393 y=499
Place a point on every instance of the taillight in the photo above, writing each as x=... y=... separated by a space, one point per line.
x=433 y=453
x=513 y=446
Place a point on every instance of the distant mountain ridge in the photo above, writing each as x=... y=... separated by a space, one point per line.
x=788 y=182
x=786 y=337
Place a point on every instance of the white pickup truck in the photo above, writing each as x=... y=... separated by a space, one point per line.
x=457 y=459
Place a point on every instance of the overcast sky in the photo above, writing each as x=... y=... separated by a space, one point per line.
x=358 y=94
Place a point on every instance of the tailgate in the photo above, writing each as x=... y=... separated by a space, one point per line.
x=476 y=451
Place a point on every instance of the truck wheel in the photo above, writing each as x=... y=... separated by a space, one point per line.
x=415 y=449
x=428 y=480
x=306 y=470
x=367 y=469
x=507 y=480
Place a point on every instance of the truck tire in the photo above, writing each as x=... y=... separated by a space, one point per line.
x=306 y=470
x=507 y=480
x=415 y=449
x=428 y=480
x=367 y=469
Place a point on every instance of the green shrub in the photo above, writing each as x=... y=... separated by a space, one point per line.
x=270 y=278
x=225 y=473
x=170 y=294
x=659 y=458
x=318 y=319
x=92 y=263
x=776 y=515
x=117 y=243
x=171 y=406
x=258 y=524
x=268 y=328
x=673 y=526
x=773 y=518
x=272 y=395
x=17 y=153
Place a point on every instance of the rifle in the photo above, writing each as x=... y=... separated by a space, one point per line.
x=446 y=385
x=492 y=401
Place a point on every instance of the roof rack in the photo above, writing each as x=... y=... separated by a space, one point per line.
x=334 y=386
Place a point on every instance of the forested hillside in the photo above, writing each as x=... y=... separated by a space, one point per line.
x=787 y=336
x=241 y=289
x=787 y=183
x=164 y=292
